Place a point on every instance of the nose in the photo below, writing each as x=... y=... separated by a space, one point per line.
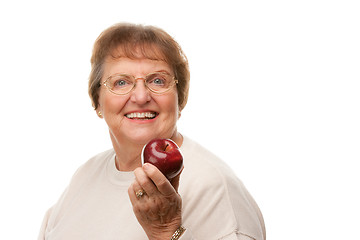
x=140 y=93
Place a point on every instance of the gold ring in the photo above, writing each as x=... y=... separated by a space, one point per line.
x=140 y=193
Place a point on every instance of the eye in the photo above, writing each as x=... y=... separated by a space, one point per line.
x=157 y=80
x=120 y=81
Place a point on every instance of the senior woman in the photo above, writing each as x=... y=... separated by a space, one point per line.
x=139 y=85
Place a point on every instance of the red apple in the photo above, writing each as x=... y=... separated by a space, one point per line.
x=165 y=155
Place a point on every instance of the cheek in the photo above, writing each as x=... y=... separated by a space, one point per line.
x=101 y=98
x=110 y=103
x=172 y=107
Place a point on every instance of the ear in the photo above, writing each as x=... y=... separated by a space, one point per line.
x=179 y=112
x=99 y=112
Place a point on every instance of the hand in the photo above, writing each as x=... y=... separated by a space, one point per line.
x=159 y=209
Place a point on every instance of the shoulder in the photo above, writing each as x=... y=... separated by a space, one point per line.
x=212 y=188
x=84 y=175
x=202 y=164
x=97 y=160
x=92 y=167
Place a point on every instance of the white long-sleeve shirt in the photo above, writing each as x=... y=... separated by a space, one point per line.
x=96 y=204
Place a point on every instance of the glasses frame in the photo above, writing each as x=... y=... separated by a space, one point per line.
x=105 y=83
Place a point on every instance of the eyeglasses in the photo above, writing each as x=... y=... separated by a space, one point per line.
x=158 y=82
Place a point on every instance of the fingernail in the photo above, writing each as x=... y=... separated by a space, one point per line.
x=146 y=166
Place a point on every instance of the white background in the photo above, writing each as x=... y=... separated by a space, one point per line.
x=274 y=92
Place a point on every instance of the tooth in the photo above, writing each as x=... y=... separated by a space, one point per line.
x=140 y=115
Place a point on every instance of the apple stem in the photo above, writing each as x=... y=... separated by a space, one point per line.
x=166 y=147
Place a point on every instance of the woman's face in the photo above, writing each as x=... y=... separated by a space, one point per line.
x=127 y=116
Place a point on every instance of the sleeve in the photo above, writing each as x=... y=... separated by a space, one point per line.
x=44 y=225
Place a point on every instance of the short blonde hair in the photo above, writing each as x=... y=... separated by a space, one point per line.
x=138 y=41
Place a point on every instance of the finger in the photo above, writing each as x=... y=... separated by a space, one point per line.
x=145 y=182
x=136 y=192
x=132 y=195
x=161 y=182
x=139 y=191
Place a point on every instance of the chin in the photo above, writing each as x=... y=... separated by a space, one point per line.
x=143 y=138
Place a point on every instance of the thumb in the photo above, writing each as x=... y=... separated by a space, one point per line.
x=175 y=182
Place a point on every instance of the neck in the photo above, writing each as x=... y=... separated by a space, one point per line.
x=128 y=155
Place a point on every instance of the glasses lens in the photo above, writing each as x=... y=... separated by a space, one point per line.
x=159 y=82
x=120 y=84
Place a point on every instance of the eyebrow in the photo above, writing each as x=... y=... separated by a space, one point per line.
x=159 y=71
x=162 y=71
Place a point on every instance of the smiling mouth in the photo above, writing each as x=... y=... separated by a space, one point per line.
x=141 y=115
